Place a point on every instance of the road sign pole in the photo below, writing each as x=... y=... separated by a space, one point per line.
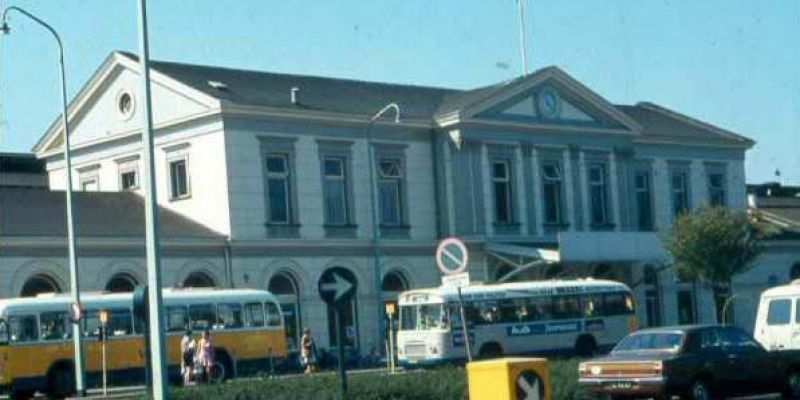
x=340 y=352
x=464 y=328
x=391 y=344
x=157 y=342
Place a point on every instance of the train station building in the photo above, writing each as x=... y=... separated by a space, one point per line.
x=264 y=181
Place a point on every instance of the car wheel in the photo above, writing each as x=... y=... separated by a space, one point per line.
x=585 y=346
x=700 y=390
x=61 y=382
x=791 y=386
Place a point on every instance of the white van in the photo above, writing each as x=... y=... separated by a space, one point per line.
x=778 y=319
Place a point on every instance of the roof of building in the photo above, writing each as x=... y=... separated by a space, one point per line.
x=32 y=212
x=25 y=163
x=778 y=205
x=257 y=88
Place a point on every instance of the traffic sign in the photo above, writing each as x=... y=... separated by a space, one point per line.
x=337 y=286
x=529 y=386
x=452 y=256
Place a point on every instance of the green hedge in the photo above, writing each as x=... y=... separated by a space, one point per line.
x=438 y=384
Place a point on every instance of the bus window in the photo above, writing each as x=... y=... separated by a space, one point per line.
x=509 y=310
x=593 y=305
x=253 y=315
x=566 y=307
x=91 y=323
x=273 y=315
x=229 y=315
x=618 y=304
x=202 y=316
x=3 y=333
x=55 y=326
x=119 y=323
x=538 y=308
x=23 y=328
x=176 y=319
x=489 y=312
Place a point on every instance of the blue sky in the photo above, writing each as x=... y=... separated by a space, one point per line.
x=734 y=63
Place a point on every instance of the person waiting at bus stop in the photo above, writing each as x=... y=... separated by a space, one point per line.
x=188 y=345
x=205 y=354
x=308 y=351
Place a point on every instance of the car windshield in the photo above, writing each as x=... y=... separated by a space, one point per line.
x=651 y=341
x=423 y=317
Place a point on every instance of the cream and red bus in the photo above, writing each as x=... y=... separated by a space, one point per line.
x=36 y=345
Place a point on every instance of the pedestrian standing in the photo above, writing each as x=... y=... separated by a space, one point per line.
x=188 y=345
x=205 y=354
x=308 y=351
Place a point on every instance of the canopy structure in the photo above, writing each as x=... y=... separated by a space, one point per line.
x=511 y=260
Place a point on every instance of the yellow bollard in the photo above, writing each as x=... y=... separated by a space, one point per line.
x=509 y=379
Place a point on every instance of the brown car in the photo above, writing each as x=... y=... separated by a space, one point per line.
x=695 y=362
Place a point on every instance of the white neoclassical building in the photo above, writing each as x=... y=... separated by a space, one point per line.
x=271 y=174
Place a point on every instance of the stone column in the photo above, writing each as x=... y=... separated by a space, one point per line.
x=488 y=203
x=519 y=185
x=537 y=193
x=569 y=191
x=614 y=187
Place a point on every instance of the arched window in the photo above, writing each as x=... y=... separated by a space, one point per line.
x=794 y=273
x=39 y=283
x=285 y=288
x=199 y=279
x=349 y=314
x=394 y=281
x=121 y=283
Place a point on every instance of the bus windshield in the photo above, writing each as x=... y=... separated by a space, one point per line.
x=421 y=317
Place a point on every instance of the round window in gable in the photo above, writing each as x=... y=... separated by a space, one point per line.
x=125 y=105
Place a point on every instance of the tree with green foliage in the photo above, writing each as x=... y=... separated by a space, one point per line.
x=714 y=244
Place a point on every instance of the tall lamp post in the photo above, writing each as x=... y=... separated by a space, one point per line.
x=376 y=251
x=77 y=335
x=158 y=353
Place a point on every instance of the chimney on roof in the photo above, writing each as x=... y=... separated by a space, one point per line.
x=295 y=89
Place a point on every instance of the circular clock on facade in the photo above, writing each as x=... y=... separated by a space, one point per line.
x=547 y=103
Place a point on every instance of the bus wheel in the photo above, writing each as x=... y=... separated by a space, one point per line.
x=585 y=346
x=490 y=350
x=60 y=381
x=223 y=367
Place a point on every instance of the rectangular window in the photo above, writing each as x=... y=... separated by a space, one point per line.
x=178 y=179
x=716 y=189
x=176 y=319
x=335 y=181
x=501 y=182
x=618 y=304
x=128 y=180
x=273 y=314
x=566 y=307
x=120 y=322
x=551 y=190
x=598 y=194
x=686 y=308
x=90 y=183
x=390 y=191
x=23 y=328
x=202 y=316
x=278 y=188
x=55 y=326
x=253 y=315
x=680 y=192
x=644 y=208
x=779 y=312
x=229 y=316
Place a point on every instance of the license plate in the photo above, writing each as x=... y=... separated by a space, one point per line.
x=620 y=385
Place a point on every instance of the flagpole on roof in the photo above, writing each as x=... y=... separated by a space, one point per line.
x=522 y=47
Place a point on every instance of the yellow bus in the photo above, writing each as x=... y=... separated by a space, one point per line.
x=36 y=350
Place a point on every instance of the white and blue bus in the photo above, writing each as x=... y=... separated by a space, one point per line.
x=540 y=317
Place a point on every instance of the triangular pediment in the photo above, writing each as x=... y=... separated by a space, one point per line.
x=109 y=105
x=550 y=97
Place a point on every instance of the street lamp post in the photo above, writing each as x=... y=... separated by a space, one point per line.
x=72 y=246
x=158 y=353
x=376 y=252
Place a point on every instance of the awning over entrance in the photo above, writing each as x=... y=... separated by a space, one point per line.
x=508 y=260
